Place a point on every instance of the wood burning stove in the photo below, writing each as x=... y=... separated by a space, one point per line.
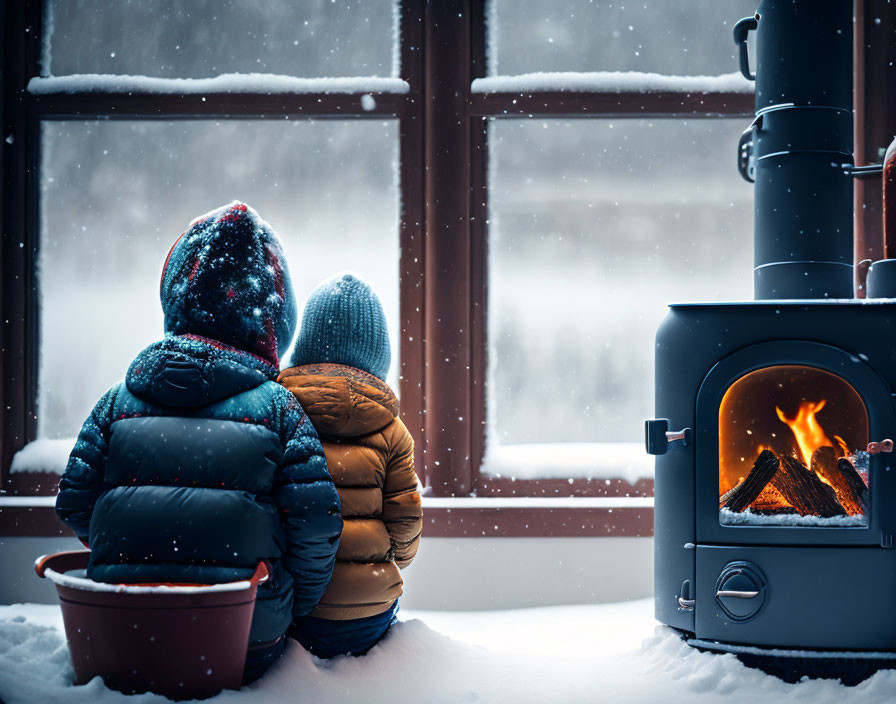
x=774 y=478
x=775 y=483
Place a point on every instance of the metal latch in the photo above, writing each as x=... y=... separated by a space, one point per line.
x=686 y=602
x=658 y=437
x=866 y=171
x=746 y=161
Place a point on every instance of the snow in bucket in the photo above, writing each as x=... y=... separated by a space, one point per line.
x=77 y=579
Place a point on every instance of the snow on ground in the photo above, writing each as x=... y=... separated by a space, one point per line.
x=601 y=653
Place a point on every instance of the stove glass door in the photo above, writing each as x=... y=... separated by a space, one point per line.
x=793 y=444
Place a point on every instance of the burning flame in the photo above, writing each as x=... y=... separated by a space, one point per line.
x=841 y=443
x=808 y=433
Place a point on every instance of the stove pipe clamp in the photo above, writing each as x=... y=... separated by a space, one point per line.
x=658 y=437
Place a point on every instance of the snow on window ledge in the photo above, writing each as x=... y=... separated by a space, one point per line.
x=567 y=460
x=225 y=83
x=43 y=456
x=436 y=503
x=29 y=502
x=458 y=503
x=607 y=460
x=612 y=82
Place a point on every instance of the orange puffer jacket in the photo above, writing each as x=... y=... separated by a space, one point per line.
x=370 y=454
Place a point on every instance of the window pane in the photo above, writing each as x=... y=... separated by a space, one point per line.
x=595 y=225
x=115 y=196
x=206 y=38
x=692 y=37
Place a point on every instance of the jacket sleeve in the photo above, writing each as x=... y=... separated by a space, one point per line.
x=82 y=481
x=402 y=512
x=309 y=508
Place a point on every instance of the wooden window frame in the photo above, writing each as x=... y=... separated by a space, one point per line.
x=24 y=505
x=874 y=102
x=456 y=227
x=443 y=142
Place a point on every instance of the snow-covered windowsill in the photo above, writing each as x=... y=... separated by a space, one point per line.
x=612 y=82
x=452 y=517
x=568 y=460
x=429 y=502
x=226 y=83
x=606 y=460
x=43 y=455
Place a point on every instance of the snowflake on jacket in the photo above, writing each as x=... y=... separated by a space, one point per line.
x=199 y=465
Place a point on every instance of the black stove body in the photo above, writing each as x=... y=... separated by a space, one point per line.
x=817 y=586
x=746 y=554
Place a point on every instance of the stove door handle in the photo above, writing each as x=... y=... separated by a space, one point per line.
x=736 y=594
x=658 y=437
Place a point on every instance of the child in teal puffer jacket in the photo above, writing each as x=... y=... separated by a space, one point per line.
x=199 y=465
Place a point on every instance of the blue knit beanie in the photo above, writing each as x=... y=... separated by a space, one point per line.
x=344 y=323
x=226 y=278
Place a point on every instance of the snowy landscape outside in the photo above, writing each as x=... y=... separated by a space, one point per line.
x=115 y=195
x=566 y=196
x=595 y=225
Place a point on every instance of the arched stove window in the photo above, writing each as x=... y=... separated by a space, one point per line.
x=792 y=443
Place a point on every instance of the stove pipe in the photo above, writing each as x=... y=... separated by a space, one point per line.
x=796 y=147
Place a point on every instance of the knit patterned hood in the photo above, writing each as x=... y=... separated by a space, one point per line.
x=226 y=278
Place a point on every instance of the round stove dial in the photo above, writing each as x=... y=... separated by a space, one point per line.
x=741 y=590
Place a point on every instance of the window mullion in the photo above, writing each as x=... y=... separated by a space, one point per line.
x=19 y=308
x=478 y=159
x=447 y=466
x=411 y=235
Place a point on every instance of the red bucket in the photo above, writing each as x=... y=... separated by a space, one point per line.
x=184 y=641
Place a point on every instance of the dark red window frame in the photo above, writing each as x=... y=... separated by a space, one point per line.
x=443 y=238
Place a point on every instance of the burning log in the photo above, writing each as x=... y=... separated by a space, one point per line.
x=770 y=502
x=856 y=484
x=723 y=499
x=842 y=476
x=805 y=491
x=745 y=493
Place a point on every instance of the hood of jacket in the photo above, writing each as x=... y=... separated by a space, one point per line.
x=341 y=401
x=226 y=278
x=193 y=371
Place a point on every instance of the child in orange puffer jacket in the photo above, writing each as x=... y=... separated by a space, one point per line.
x=339 y=364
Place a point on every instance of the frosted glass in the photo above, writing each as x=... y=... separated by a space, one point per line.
x=594 y=226
x=204 y=38
x=690 y=37
x=115 y=196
